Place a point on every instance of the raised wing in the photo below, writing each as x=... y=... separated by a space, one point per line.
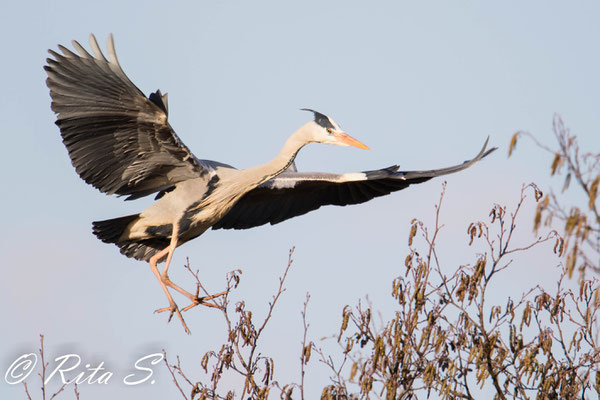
x=119 y=141
x=292 y=194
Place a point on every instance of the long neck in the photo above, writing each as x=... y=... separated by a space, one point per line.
x=284 y=159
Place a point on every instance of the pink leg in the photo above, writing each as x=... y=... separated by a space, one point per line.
x=166 y=281
x=172 y=306
x=164 y=277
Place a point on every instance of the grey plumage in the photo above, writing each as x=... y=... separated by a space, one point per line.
x=121 y=142
x=292 y=194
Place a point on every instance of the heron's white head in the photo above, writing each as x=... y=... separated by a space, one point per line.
x=324 y=130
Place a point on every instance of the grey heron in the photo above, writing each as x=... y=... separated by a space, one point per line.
x=121 y=142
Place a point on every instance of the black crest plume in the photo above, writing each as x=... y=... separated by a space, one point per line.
x=321 y=119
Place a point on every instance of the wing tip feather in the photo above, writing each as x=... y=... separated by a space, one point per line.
x=112 y=54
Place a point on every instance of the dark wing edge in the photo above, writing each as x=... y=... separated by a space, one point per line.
x=293 y=194
x=118 y=140
x=453 y=169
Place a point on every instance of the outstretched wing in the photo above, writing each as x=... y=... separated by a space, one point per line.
x=291 y=193
x=119 y=141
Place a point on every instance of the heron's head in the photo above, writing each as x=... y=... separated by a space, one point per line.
x=324 y=130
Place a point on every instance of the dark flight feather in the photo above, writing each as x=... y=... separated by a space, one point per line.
x=118 y=140
x=276 y=201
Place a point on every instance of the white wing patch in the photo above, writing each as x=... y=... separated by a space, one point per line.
x=288 y=181
x=352 y=176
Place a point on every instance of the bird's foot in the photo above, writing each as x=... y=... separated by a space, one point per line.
x=194 y=298
x=174 y=309
x=205 y=301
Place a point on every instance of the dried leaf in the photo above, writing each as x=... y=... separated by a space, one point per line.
x=306 y=352
x=541 y=207
x=593 y=192
x=571 y=261
x=513 y=143
x=526 y=319
x=556 y=164
x=472 y=232
x=408 y=261
x=204 y=362
x=559 y=246
x=345 y=319
x=353 y=371
x=413 y=232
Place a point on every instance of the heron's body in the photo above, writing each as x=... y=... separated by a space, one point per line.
x=121 y=142
x=215 y=193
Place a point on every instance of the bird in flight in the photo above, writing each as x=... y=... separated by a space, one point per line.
x=121 y=142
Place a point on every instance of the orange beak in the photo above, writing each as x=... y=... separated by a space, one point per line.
x=350 y=141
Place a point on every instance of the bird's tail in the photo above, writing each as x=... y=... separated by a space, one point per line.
x=111 y=230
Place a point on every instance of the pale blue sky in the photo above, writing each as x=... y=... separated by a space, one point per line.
x=422 y=83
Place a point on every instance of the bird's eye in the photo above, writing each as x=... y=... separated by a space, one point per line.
x=329 y=130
